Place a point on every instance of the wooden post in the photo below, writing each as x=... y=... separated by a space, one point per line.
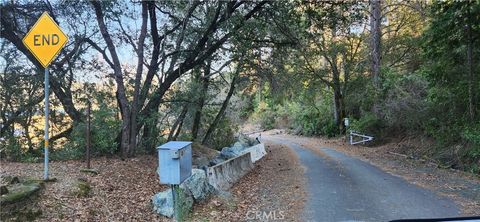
x=89 y=142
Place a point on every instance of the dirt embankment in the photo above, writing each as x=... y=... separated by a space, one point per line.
x=461 y=186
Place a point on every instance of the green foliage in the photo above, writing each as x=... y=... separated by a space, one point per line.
x=472 y=136
x=404 y=103
x=400 y=103
x=11 y=149
x=266 y=115
x=224 y=134
x=311 y=115
x=369 y=124
x=248 y=109
x=104 y=130
x=68 y=152
x=316 y=120
x=445 y=44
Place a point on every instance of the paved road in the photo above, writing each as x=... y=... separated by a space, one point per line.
x=342 y=188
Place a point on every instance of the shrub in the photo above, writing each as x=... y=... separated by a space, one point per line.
x=223 y=135
x=104 y=129
x=404 y=105
x=312 y=117
x=472 y=136
x=369 y=123
x=265 y=115
x=11 y=149
x=68 y=153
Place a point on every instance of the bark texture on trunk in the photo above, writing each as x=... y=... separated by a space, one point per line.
x=117 y=70
x=179 y=129
x=375 y=39
x=177 y=125
x=138 y=78
x=221 y=112
x=471 y=74
x=197 y=118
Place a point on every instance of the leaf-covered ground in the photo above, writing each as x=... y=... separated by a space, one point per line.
x=273 y=190
x=122 y=190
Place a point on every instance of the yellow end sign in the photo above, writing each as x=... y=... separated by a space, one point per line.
x=45 y=39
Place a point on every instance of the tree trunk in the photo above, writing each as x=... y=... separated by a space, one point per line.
x=177 y=122
x=471 y=76
x=28 y=122
x=197 y=119
x=88 y=131
x=138 y=78
x=221 y=112
x=197 y=56
x=339 y=108
x=150 y=133
x=179 y=129
x=198 y=113
x=375 y=39
x=117 y=70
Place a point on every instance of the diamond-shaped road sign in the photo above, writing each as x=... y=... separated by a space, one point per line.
x=45 y=39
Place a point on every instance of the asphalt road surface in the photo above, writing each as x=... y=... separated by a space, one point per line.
x=343 y=188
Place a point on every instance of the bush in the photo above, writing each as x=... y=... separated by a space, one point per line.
x=11 y=149
x=369 y=124
x=472 y=137
x=265 y=115
x=68 y=153
x=223 y=135
x=316 y=116
x=104 y=130
x=312 y=116
x=404 y=105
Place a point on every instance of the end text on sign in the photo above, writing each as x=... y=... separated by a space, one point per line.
x=41 y=40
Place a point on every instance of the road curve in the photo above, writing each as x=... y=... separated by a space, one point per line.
x=343 y=188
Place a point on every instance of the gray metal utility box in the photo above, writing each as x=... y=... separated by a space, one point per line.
x=174 y=162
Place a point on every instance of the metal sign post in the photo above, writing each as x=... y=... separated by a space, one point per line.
x=346 y=122
x=45 y=40
x=47 y=86
x=89 y=139
x=175 y=202
x=174 y=167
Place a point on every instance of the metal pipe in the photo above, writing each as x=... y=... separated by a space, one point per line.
x=175 y=210
x=45 y=175
x=89 y=141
